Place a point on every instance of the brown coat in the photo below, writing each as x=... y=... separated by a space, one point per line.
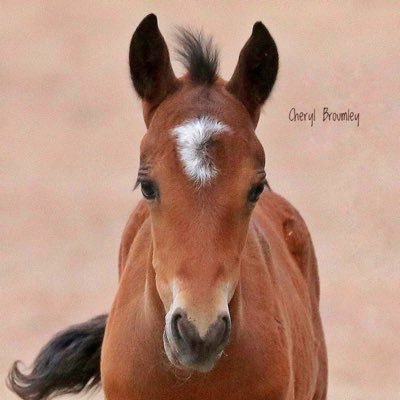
x=277 y=348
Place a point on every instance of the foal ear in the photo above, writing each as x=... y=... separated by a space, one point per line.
x=150 y=65
x=256 y=70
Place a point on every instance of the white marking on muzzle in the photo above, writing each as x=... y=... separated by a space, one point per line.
x=202 y=319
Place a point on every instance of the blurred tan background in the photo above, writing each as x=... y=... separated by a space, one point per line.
x=70 y=130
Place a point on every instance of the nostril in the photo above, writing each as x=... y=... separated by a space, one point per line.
x=226 y=327
x=184 y=332
x=176 y=317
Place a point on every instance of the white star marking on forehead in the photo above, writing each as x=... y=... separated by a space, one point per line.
x=193 y=138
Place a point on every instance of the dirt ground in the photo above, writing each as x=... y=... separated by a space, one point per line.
x=70 y=129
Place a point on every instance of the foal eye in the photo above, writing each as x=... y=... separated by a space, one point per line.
x=255 y=192
x=149 y=190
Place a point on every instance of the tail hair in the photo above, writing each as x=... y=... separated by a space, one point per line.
x=69 y=363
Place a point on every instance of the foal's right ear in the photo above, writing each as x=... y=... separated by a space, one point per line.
x=150 y=65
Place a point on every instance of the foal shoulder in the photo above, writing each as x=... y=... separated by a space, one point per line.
x=293 y=230
x=135 y=221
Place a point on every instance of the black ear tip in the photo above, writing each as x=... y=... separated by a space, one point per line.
x=149 y=22
x=151 y=17
x=259 y=28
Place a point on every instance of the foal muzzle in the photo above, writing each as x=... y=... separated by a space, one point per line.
x=186 y=348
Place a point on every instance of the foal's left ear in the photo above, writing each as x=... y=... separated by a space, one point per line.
x=256 y=70
x=150 y=65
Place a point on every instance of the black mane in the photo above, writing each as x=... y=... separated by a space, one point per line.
x=198 y=55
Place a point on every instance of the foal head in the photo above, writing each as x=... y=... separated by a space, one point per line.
x=201 y=172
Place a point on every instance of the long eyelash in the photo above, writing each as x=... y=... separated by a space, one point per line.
x=139 y=180
x=266 y=184
x=142 y=174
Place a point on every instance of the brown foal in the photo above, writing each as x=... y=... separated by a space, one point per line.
x=218 y=295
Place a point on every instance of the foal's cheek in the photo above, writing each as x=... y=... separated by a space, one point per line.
x=232 y=284
x=165 y=292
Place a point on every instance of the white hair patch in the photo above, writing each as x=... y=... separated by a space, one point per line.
x=193 y=138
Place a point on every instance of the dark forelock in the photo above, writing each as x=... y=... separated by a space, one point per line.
x=198 y=55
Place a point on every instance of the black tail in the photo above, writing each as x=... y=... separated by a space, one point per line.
x=69 y=363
